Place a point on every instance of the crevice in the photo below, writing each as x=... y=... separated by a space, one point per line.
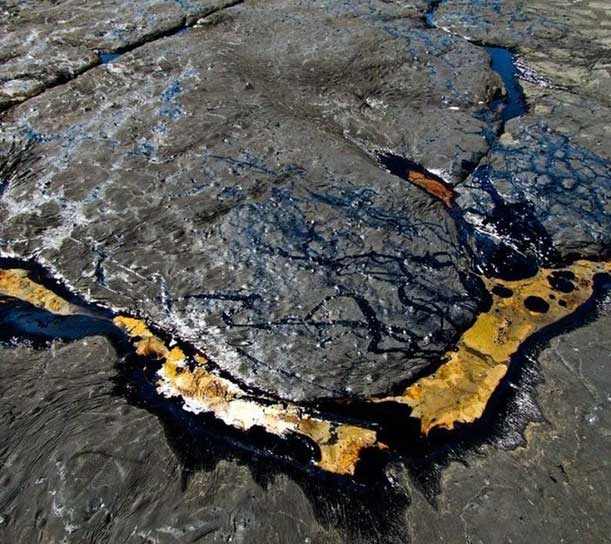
x=429 y=14
x=419 y=176
x=503 y=61
x=107 y=56
x=22 y=321
x=60 y=79
x=503 y=107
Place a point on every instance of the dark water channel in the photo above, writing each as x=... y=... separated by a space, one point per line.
x=362 y=508
x=513 y=104
x=503 y=62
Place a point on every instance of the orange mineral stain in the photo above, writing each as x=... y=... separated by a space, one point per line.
x=432 y=186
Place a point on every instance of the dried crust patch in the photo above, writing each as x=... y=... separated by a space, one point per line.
x=461 y=388
x=340 y=445
x=457 y=392
x=16 y=283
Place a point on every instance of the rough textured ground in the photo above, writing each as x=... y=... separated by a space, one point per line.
x=565 y=43
x=551 y=168
x=220 y=178
x=95 y=468
x=100 y=470
x=47 y=43
x=228 y=197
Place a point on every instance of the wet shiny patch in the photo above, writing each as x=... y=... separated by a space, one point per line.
x=458 y=392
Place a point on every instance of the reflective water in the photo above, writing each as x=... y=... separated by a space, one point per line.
x=514 y=103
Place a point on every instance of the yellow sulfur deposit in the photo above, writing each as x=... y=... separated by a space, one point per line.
x=135 y=328
x=151 y=347
x=146 y=344
x=461 y=388
x=16 y=283
x=457 y=392
x=340 y=445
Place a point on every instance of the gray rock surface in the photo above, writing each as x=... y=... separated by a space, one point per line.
x=372 y=71
x=565 y=42
x=583 y=121
x=551 y=169
x=556 y=486
x=542 y=193
x=81 y=464
x=45 y=43
x=211 y=183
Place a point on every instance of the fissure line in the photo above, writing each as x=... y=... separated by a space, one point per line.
x=458 y=392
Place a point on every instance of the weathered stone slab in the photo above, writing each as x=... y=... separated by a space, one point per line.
x=544 y=189
x=383 y=80
x=565 y=42
x=373 y=72
x=542 y=194
x=46 y=43
x=193 y=184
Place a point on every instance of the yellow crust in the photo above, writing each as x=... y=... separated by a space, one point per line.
x=460 y=390
x=457 y=392
x=16 y=283
x=135 y=328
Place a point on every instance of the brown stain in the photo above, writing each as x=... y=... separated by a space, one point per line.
x=432 y=186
